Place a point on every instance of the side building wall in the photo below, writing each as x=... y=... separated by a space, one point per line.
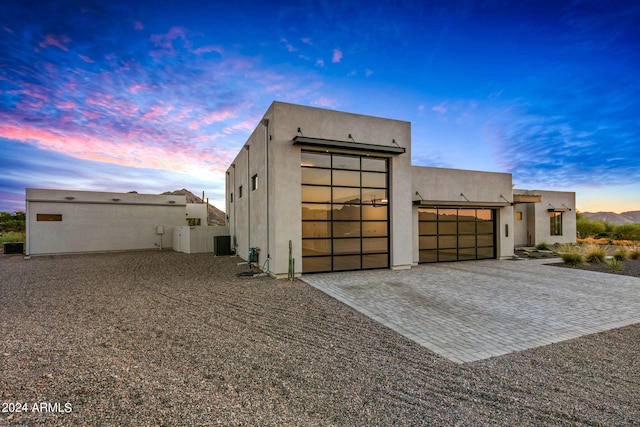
x=67 y=221
x=535 y=226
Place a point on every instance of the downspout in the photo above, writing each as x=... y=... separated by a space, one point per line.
x=235 y=202
x=28 y=238
x=265 y=122
x=248 y=200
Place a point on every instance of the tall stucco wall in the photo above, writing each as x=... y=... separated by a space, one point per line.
x=555 y=200
x=100 y=221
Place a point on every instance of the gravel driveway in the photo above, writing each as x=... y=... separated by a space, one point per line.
x=165 y=338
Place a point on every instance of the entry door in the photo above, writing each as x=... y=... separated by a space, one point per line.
x=456 y=234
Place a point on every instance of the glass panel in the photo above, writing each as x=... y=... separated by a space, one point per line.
x=346 y=195
x=370 y=245
x=484 y=253
x=372 y=179
x=316 y=176
x=447 y=228
x=447 y=255
x=428 y=227
x=346 y=229
x=375 y=212
x=485 y=240
x=374 y=229
x=346 y=246
x=467 y=241
x=428 y=256
x=348 y=262
x=427 y=214
x=346 y=178
x=316 y=247
x=485 y=227
x=316 y=264
x=485 y=214
x=447 y=242
x=375 y=196
x=316 y=229
x=313 y=211
x=369 y=164
x=375 y=261
x=467 y=227
x=447 y=214
x=428 y=242
x=346 y=162
x=466 y=254
x=316 y=194
x=466 y=214
x=346 y=212
x=316 y=159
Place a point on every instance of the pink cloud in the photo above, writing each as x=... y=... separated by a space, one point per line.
x=208 y=49
x=87 y=59
x=219 y=116
x=138 y=26
x=123 y=149
x=57 y=41
x=66 y=105
x=165 y=41
x=337 y=55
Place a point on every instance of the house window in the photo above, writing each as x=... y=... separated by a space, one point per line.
x=48 y=217
x=254 y=182
x=518 y=216
x=240 y=192
x=555 y=222
x=230 y=197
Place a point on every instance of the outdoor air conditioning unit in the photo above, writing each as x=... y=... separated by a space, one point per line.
x=222 y=245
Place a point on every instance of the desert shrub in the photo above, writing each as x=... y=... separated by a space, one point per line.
x=589 y=227
x=622 y=242
x=542 y=246
x=570 y=254
x=621 y=254
x=628 y=231
x=634 y=253
x=12 y=236
x=595 y=254
x=615 y=264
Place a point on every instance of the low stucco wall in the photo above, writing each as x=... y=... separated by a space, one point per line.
x=67 y=221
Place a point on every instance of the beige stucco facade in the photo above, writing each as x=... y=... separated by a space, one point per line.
x=266 y=184
x=69 y=221
x=532 y=216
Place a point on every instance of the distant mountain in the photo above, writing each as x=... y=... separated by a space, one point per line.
x=614 y=218
x=216 y=216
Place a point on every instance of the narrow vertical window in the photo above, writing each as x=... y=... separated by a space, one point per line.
x=555 y=222
x=230 y=197
x=254 y=182
x=240 y=192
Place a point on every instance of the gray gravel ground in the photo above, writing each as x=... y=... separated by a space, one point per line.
x=169 y=339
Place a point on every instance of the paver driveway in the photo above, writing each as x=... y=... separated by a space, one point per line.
x=473 y=310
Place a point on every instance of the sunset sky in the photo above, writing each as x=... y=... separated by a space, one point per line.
x=155 y=96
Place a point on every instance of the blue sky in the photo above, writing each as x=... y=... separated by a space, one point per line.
x=154 y=96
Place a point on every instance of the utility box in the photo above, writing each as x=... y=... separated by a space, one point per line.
x=221 y=245
x=254 y=255
x=11 y=248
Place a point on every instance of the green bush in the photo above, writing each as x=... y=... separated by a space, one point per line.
x=615 y=264
x=621 y=254
x=542 y=246
x=595 y=254
x=570 y=254
x=13 y=236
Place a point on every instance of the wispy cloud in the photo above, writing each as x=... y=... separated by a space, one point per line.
x=337 y=55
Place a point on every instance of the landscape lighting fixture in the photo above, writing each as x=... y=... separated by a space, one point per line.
x=69 y=197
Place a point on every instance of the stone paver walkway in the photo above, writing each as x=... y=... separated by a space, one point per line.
x=473 y=310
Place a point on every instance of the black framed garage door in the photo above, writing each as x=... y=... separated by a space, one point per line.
x=345 y=212
x=456 y=234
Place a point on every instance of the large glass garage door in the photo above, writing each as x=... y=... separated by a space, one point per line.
x=456 y=234
x=345 y=212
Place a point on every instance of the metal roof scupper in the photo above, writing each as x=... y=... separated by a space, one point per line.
x=332 y=143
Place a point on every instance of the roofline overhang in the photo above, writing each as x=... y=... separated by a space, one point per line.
x=450 y=204
x=348 y=145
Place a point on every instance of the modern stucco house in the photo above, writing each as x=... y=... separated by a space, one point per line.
x=340 y=191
